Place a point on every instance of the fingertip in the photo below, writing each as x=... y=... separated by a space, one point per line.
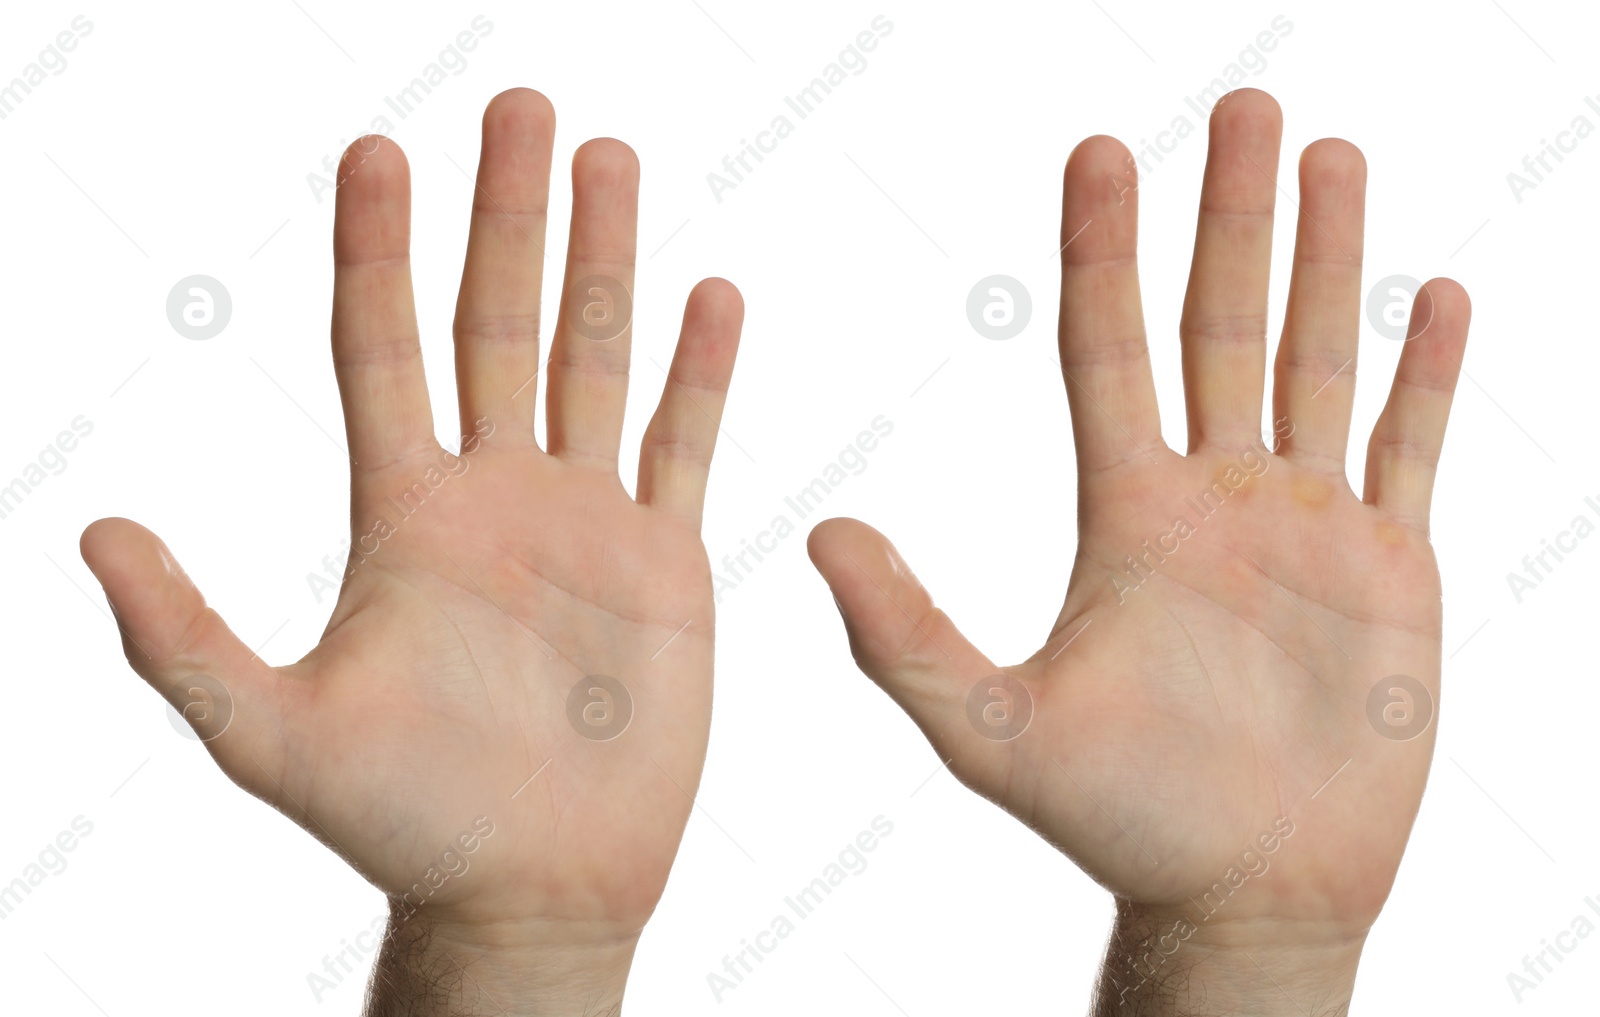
x=119 y=551
x=376 y=157
x=837 y=542
x=1101 y=190
x=1247 y=104
x=101 y=535
x=1241 y=176
x=715 y=309
x=897 y=636
x=1096 y=156
x=1441 y=309
x=183 y=649
x=606 y=162
x=1332 y=161
x=523 y=108
x=824 y=535
x=519 y=130
x=372 y=216
x=1446 y=293
x=720 y=292
x=1334 y=151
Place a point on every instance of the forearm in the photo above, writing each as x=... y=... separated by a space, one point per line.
x=1169 y=964
x=429 y=967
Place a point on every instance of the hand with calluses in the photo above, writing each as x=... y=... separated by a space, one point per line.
x=448 y=692
x=1193 y=707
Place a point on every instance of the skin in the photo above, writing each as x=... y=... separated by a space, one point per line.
x=1176 y=721
x=438 y=696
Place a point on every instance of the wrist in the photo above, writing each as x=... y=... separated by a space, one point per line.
x=433 y=965
x=1164 y=962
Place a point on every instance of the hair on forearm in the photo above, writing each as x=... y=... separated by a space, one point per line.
x=409 y=979
x=1141 y=977
x=415 y=976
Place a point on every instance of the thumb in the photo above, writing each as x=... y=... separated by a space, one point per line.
x=913 y=650
x=185 y=651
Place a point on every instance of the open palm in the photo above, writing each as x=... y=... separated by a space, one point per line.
x=507 y=716
x=1245 y=670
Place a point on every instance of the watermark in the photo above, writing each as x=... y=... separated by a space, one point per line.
x=51 y=462
x=52 y=59
x=850 y=861
x=199 y=307
x=599 y=308
x=51 y=861
x=1537 y=966
x=204 y=708
x=1389 y=304
x=1251 y=62
x=599 y=707
x=1158 y=948
x=1537 y=168
x=851 y=61
x=349 y=960
x=411 y=500
x=1399 y=707
x=998 y=307
x=1140 y=568
x=851 y=462
x=1537 y=567
x=451 y=863
x=999 y=707
x=451 y=62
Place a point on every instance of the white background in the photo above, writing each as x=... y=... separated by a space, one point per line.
x=179 y=142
